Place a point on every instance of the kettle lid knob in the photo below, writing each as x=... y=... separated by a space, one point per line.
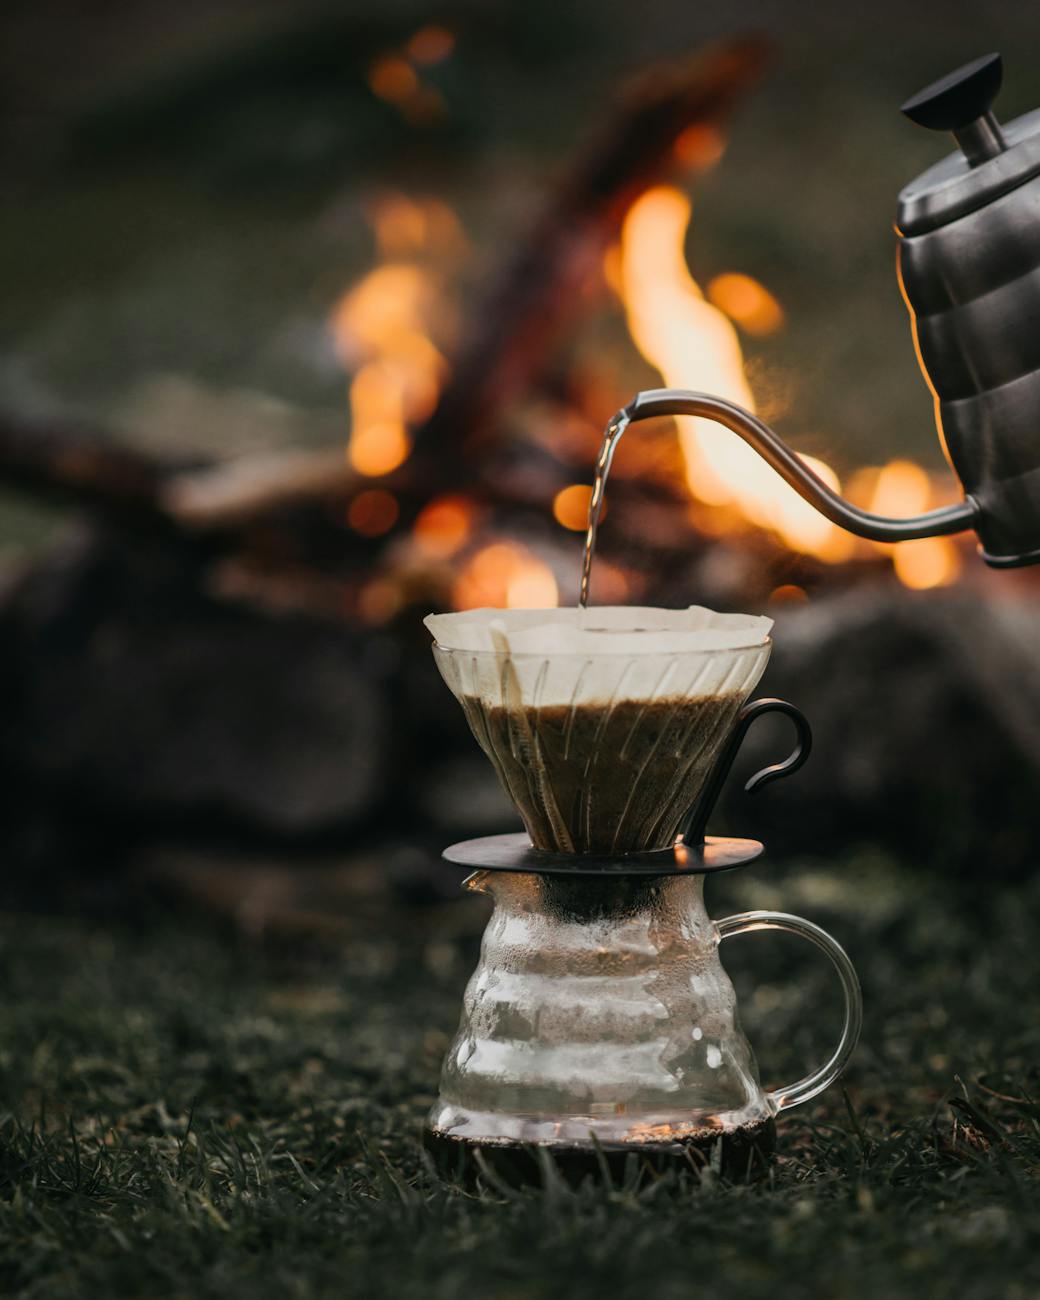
x=960 y=102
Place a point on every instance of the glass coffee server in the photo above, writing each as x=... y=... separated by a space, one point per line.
x=599 y=1023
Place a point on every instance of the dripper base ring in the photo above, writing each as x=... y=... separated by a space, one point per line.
x=515 y=852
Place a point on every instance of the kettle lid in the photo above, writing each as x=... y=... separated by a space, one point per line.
x=992 y=159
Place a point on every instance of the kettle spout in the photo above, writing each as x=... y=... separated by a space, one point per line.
x=793 y=470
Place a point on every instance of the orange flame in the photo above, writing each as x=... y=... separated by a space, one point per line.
x=431 y=44
x=393 y=77
x=443 y=526
x=700 y=146
x=382 y=322
x=505 y=574
x=571 y=507
x=694 y=345
x=373 y=513
x=403 y=226
x=903 y=488
x=747 y=302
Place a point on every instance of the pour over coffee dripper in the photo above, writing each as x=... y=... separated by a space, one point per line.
x=599 y=1021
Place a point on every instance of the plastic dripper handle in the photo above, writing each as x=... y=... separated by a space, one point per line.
x=961 y=102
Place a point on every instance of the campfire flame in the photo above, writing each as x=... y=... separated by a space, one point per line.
x=747 y=302
x=395 y=77
x=381 y=330
x=443 y=526
x=571 y=507
x=694 y=344
x=903 y=488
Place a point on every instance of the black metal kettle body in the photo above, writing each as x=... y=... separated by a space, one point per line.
x=969 y=267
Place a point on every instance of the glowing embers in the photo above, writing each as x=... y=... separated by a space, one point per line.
x=903 y=488
x=396 y=76
x=571 y=507
x=372 y=513
x=505 y=574
x=746 y=302
x=444 y=526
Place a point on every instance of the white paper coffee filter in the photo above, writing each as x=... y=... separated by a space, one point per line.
x=604 y=629
x=571 y=656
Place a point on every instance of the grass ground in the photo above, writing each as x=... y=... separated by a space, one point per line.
x=189 y=1114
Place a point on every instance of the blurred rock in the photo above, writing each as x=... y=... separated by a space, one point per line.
x=462 y=797
x=133 y=698
x=138 y=707
x=925 y=709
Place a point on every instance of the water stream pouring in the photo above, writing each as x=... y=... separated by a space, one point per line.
x=968 y=258
x=599 y=1024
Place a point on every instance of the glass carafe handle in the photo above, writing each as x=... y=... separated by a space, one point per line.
x=795 y=1093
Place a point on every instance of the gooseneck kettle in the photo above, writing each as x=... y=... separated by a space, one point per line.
x=968 y=259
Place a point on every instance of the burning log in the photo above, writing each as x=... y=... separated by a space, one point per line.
x=70 y=464
x=514 y=330
x=547 y=281
x=237 y=492
x=89 y=468
x=83 y=466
